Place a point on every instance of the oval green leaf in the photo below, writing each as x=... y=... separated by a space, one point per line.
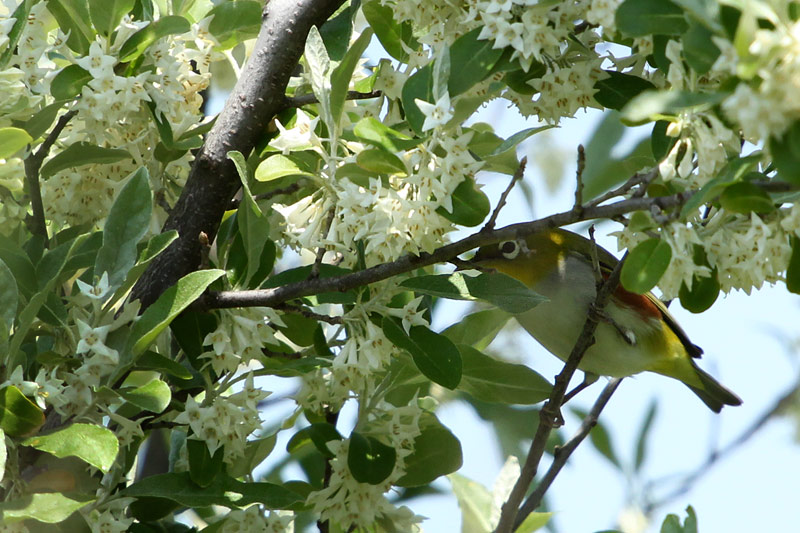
x=437 y=452
x=18 y=415
x=435 y=355
x=96 y=445
x=645 y=265
x=12 y=140
x=369 y=460
x=746 y=197
x=470 y=205
x=492 y=380
x=82 y=153
x=142 y=39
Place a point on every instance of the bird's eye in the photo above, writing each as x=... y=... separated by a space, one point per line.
x=509 y=249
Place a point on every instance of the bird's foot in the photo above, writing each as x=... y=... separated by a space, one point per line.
x=601 y=316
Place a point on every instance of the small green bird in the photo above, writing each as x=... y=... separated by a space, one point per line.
x=638 y=334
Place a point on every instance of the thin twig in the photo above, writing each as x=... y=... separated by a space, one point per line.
x=633 y=181
x=288 y=308
x=579 y=178
x=550 y=414
x=563 y=453
x=289 y=189
x=503 y=197
x=33 y=165
x=321 y=250
x=689 y=480
x=408 y=263
x=306 y=99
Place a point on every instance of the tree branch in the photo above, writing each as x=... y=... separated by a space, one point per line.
x=306 y=99
x=257 y=97
x=551 y=411
x=564 y=452
x=33 y=165
x=278 y=295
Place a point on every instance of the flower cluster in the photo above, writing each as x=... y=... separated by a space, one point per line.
x=350 y=503
x=239 y=337
x=226 y=421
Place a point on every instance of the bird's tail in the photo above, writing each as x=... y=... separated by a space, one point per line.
x=713 y=393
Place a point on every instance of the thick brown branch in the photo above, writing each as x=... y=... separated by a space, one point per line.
x=278 y=295
x=258 y=95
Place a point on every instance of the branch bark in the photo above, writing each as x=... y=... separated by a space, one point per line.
x=279 y=295
x=258 y=96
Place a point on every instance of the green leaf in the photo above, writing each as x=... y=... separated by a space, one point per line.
x=255 y=451
x=9 y=295
x=734 y=171
x=658 y=105
x=472 y=61
x=470 y=205
x=475 y=503
x=20 y=17
x=699 y=49
x=49 y=508
x=492 y=380
x=380 y=162
x=645 y=265
x=154 y=396
x=507 y=293
x=301 y=273
x=106 y=14
x=224 y=490
x=203 y=467
x=18 y=415
x=343 y=73
x=451 y=286
x=746 y=197
x=319 y=434
x=616 y=90
x=534 y=522
x=235 y=22
x=126 y=224
x=338 y=30
x=374 y=132
x=39 y=123
x=150 y=360
x=253 y=225
x=435 y=355
x=644 y=433
x=637 y=18
x=12 y=140
x=369 y=460
x=390 y=33
x=82 y=153
x=418 y=86
x=599 y=438
x=73 y=19
x=703 y=294
x=478 y=329
x=786 y=153
x=169 y=305
x=142 y=39
x=95 y=445
x=793 y=270
x=672 y=524
x=319 y=66
x=437 y=452
x=279 y=166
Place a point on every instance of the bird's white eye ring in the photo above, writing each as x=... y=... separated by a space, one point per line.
x=509 y=249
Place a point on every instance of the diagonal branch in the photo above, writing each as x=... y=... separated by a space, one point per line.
x=258 y=96
x=551 y=412
x=278 y=295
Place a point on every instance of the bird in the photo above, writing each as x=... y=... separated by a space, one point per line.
x=635 y=333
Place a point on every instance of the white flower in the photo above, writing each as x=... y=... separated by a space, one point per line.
x=437 y=114
x=98 y=63
x=95 y=293
x=93 y=339
x=300 y=137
